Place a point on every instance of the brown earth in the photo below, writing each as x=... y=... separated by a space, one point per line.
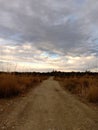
x=47 y=107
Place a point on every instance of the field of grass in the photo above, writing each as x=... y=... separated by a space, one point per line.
x=83 y=86
x=12 y=84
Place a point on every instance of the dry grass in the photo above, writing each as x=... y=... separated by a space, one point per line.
x=93 y=94
x=12 y=85
x=9 y=86
x=85 y=87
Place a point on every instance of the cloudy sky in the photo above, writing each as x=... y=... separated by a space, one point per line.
x=42 y=35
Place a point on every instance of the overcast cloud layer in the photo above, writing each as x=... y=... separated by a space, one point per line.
x=42 y=35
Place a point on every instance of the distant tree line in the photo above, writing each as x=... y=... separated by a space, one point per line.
x=56 y=73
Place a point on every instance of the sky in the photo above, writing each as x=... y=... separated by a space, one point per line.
x=47 y=35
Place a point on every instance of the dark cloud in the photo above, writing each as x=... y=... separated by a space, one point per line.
x=55 y=27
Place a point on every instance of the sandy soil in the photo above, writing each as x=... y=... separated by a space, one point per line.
x=47 y=107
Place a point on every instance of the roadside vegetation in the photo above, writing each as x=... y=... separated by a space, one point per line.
x=13 y=84
x=83 y=85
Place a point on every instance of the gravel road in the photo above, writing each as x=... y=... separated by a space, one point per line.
x=47 y=107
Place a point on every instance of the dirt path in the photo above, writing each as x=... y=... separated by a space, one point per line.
x=47 y=107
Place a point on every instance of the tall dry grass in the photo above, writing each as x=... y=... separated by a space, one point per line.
x=12 y=85
x=85 y=87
